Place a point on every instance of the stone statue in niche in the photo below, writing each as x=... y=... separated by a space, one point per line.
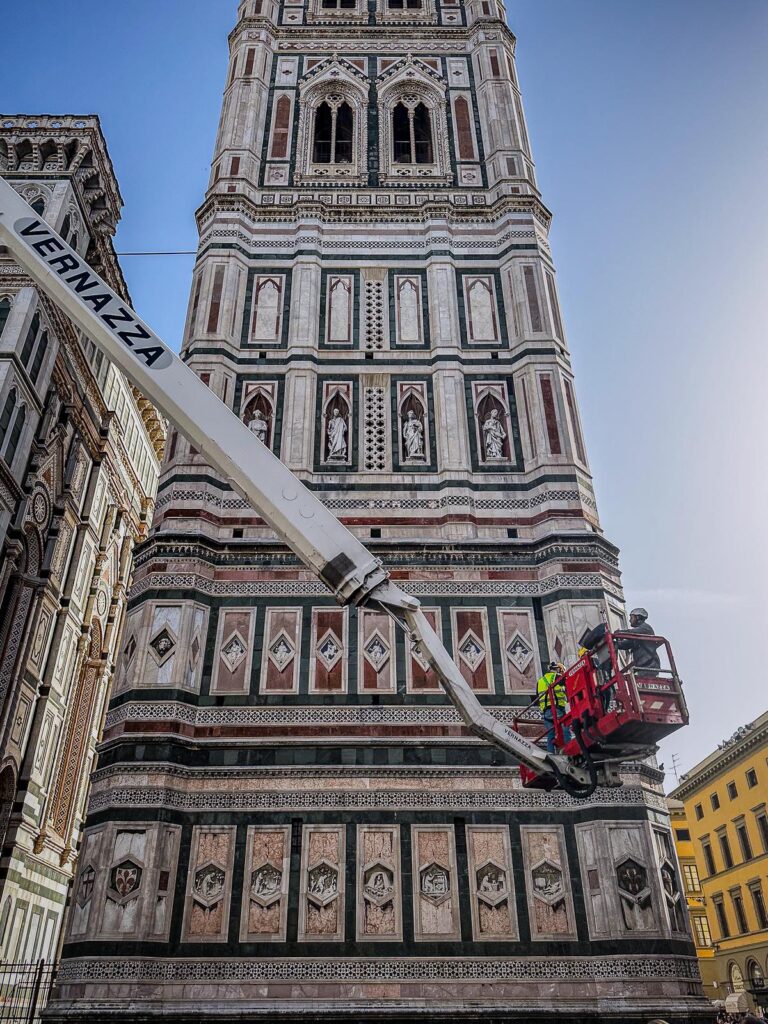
x=413 y=437
x=259 y=426
x=337 y=437
x=494 y=436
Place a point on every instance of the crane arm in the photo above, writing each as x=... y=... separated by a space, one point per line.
x=301 y=521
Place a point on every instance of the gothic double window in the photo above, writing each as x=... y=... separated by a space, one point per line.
x=333 y=140
x=412 y=134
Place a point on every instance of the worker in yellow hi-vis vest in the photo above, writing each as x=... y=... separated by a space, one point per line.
x=551 y=688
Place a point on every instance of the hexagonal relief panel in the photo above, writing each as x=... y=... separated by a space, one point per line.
x=435 y=883
x=547 y=881
x=322 y=883
x=208 y=886
x=492 y=886
x=266 y=882
x=378 y=884
x=125 y=879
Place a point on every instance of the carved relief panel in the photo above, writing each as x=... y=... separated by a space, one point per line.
x=435 y=888
x=519 y=649
x=376 y=661
x=420 y=678
x=471 y=647
x=379 y=910
x=566 y=622
x=671 y=889
x=328 y=651
x=233 y=656
x=84 y=889
x=265 y=887
x=621 y=885
x=209 y=884
x=321 y=902
x=547 y=878
x=491 y=883
x=281 y=651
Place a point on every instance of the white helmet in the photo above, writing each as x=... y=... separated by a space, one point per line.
x=639 y=613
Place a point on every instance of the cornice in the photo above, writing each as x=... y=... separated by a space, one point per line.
x=430 y=210
x=729 y=755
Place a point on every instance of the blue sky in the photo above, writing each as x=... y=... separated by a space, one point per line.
x=648 y=121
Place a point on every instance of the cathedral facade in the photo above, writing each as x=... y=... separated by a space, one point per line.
x=288 y=819
x=80 y=455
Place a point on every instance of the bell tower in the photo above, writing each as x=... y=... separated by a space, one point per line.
x=289 y=820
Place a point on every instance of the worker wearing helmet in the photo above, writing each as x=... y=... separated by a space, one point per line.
x=551 y=687
x=643 y=652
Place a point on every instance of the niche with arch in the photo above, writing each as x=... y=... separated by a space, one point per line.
x=259 y=411
x=336 y=424
x=413 y=424
x=492 y=419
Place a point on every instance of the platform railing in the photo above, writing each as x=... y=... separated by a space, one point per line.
x=24 y=991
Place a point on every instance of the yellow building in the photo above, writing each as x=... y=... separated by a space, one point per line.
x=720 y=818
x=697 y=911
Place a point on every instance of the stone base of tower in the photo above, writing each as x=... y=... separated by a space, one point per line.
x=510 y=990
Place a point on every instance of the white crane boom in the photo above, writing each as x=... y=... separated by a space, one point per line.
x=301 y=521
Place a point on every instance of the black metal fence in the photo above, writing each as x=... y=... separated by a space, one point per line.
x=24 y=991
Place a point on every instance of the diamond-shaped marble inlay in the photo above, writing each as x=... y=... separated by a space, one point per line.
x=195 y=650
x=163 y=645
x=234 y=651
x=472 y=649
x=329 y=649
x=519 y=651
x=130 y=648
x=281 y=650
x=377 y=651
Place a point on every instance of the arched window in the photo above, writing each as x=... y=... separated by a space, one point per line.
x=15 y=436
x=66 y=225
x=29 y=341
x=334 y=131
x=5 y=309
x=321 y=149
x=412 y=134
x=735 y=977
x=38 y=206
x=5 y=416
x=37 y=362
